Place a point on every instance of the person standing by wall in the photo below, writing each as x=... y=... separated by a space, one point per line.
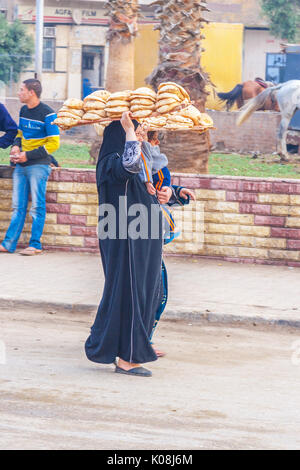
x=37 y=138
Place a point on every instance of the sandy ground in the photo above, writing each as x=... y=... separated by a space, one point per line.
x=218 y=388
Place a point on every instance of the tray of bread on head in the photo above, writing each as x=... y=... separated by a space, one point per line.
x=170 y=109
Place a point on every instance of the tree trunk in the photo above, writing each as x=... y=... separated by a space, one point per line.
x=120 y=71
x=187 y=151
x=121 y=34
x=181 y=24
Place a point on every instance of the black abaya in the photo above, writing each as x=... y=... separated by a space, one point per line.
x=132 y=267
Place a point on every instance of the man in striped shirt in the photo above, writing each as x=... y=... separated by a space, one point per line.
x=36 y=140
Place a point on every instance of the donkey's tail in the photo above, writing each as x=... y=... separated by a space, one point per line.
x=255 y=104
x=232 y=96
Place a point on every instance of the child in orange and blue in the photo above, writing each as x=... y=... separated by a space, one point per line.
x=155 y=174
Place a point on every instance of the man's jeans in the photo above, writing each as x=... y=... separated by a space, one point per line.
x=30 y=179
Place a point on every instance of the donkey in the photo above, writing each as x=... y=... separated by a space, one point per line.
x=288 y=97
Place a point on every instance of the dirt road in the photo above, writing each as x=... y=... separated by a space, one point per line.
x=218 y=388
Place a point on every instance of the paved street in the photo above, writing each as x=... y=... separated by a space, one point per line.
x=218 y=388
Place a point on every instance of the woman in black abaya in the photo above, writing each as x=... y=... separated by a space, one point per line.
x=132 y=266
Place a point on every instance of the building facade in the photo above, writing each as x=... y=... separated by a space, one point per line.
x=260 y=48
x=238 y=44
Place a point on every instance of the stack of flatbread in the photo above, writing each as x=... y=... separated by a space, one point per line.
x=117 y=104
x=206 y=121
x=199 y=119
x=142 y=103
x=155 y=121
x=70 y=114
x=169 y=109
x=94 y=105
x=170 y=96
x=175 y=121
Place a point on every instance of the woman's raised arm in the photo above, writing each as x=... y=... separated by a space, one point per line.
x=131 y=158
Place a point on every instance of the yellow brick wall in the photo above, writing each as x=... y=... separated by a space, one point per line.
x=246 y=219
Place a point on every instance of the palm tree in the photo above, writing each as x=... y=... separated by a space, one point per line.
x=122 y=30
x=180 y=24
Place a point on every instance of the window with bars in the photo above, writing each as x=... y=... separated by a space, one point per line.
x=49 y=55
x=276 y=64
x=88 y=62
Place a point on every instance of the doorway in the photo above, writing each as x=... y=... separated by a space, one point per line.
x=92 y=69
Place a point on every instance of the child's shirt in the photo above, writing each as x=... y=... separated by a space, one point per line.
x=153 y=161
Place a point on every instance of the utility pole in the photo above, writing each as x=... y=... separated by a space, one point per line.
x=39 y=39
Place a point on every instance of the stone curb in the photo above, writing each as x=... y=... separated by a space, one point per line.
x=212 y=318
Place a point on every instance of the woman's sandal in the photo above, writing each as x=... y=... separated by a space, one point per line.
x=137 y=371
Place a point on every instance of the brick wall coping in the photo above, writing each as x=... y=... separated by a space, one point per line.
x=236 y=112
x=236 y=178
x=86 y=175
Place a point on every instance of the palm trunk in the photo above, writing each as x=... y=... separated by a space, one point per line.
x=179 y=61
x=122 y=30
x=120 y=71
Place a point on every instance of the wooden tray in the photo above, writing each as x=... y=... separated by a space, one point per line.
x=105 y=120
x=160 y=129
x=198 y=129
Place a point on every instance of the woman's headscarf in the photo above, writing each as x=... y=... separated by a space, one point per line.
x=114 y=139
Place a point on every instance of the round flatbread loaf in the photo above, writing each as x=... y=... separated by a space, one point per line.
x=171 y=85
x=159 y=121
x=175 y=118
x=144 y=92
x=167 y=108
x=171 y=89
x=117 y=110
x=166 y=102
x=164 y=96
x=88 y=105
x=115 y=117
x=74 y=103
x=66 y=122
x=141 y=114
x=142 y=97
x=135 y=108
x=73 y=112
x=191 y=112
x=141 y=102
x=94 y=116
x=120 y=95
x=94 y=98
x=67 y=114
x=174 y=126
x=205 y=120
x=116 y=103
x=101 y=95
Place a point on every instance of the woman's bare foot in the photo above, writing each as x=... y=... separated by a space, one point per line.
x=3 y=250
x=127 y=365
x=159 y=353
